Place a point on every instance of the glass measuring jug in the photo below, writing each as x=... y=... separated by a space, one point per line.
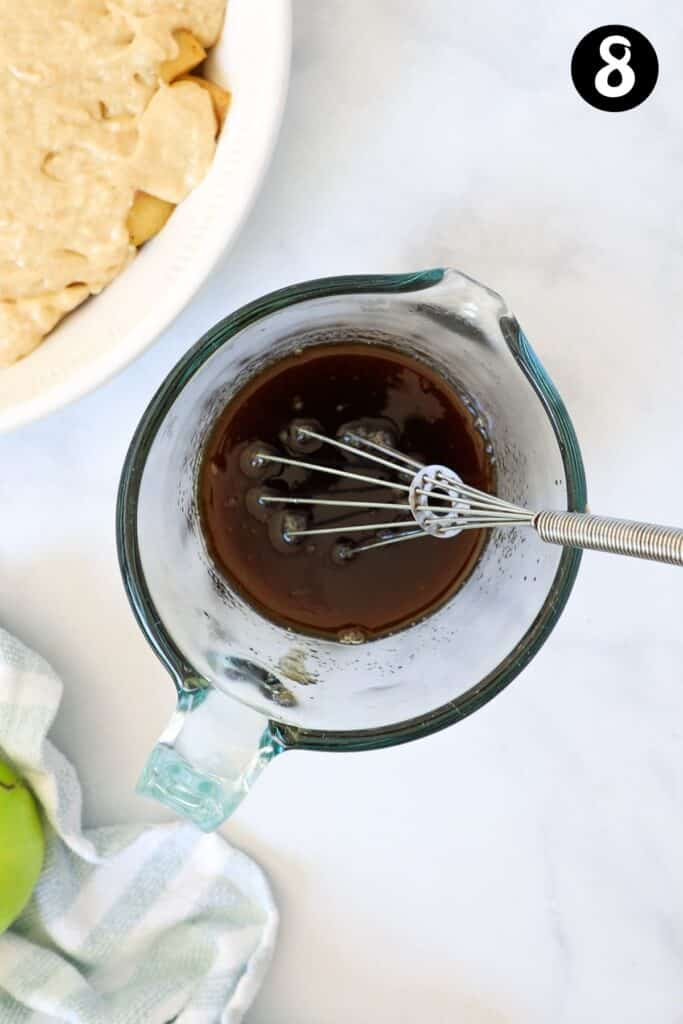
x=249 y=689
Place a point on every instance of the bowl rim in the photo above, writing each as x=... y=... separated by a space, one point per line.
x=81 y=382
x=131 y=476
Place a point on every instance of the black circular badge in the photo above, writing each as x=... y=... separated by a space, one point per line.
x=614 y=68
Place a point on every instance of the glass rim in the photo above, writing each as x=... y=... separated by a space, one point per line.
x=221 y=333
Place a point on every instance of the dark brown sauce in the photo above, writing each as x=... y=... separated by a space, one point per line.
x=305 y=584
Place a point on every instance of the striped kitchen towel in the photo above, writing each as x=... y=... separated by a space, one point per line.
x=127 y=925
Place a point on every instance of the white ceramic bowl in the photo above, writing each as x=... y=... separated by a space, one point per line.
x=108 y=331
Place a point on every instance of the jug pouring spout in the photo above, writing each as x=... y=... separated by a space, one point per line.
x=209 y=756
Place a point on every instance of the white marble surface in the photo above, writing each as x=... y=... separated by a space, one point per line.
x=525 y=866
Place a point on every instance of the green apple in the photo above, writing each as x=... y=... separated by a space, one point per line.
x=22 y=845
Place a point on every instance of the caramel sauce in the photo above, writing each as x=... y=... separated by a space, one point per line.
x=301 y=582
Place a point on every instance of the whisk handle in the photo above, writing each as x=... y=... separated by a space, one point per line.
x=617 y=536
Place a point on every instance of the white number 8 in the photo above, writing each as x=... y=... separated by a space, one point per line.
x=627 y=78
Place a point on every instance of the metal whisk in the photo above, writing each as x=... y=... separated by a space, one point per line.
x=437 y=503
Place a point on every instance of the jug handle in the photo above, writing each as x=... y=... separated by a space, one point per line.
x=209 y=756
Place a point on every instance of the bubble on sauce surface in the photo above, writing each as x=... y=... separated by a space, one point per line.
x=352 y=635
x=343 y=551
x=296 y=441
x=282 y=527
x=252 y=463
x=376 y=429
x=256 y=507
